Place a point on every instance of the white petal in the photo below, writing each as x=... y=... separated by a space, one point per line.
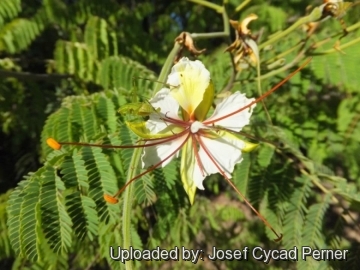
x=198 y=176
x=154 y=154
x=225 y=150
x=229 y=105
x=168 y=107
x=188 y=81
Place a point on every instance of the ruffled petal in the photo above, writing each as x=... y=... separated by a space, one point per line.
x=225 y=150
x=168 y=107
x=188 y=81
x=166 y=150
x=231 y=104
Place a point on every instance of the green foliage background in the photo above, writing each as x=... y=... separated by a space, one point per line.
x=66 y=67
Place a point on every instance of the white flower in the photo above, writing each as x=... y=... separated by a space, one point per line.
x=207 y=146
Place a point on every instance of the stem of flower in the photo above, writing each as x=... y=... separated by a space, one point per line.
x=167 y=66
x=289 y=65
x=129 y=192
x=260 y=91
x=208 y=4
x=128 y=199
x=242 y=5
x=313 y=16
x=343 y=46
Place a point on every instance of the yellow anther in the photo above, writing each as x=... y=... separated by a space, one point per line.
x=53 y=144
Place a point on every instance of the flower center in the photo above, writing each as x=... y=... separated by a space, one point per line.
x=196 y=126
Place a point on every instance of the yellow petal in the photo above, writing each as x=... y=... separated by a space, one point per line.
x=208 y=99
x=189 y=79
x=186 y=168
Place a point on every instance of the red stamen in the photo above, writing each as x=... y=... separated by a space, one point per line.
x=101 y=145
x=167 y=138
x=153 y=167
x=158 y=141
x=196 y=153
x=259 y=98
x=175 y=121
x=279 y=237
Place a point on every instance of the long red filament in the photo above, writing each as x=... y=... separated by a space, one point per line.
x=196 y=153
x=279 y=237
x=175 y=121
x=158 y=141
x=259 y=98
x=153 y=167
